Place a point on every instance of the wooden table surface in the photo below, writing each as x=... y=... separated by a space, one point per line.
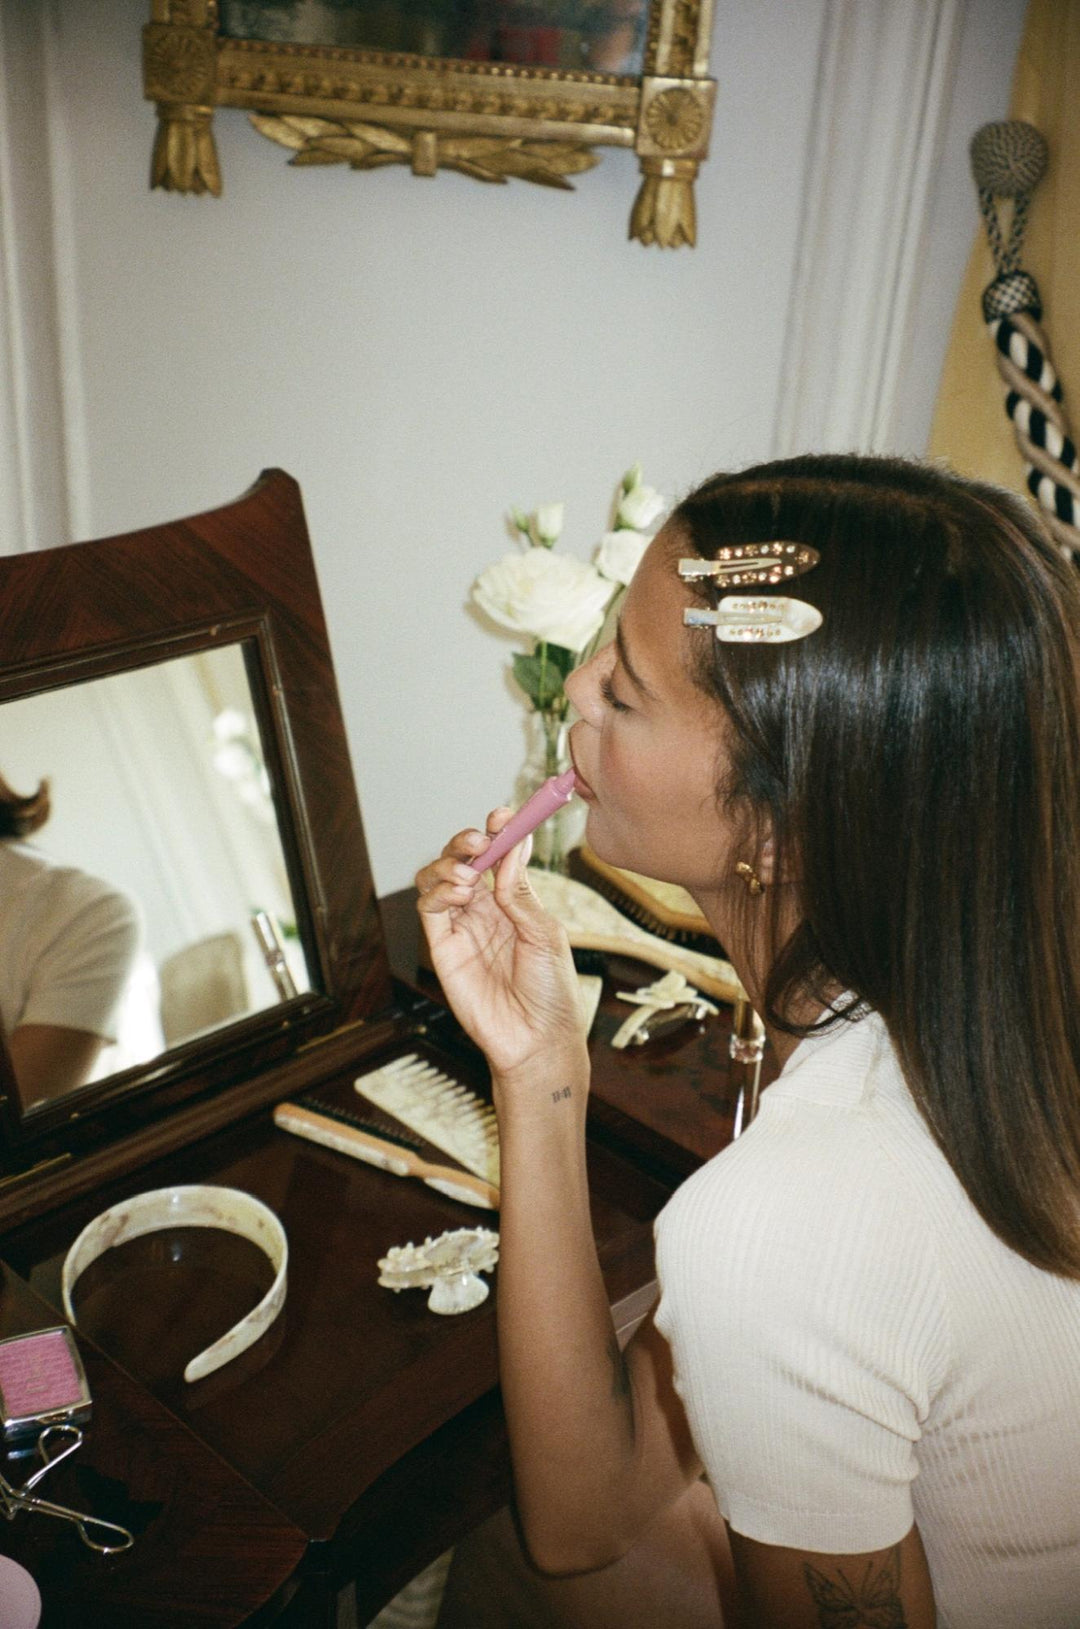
x=209 y=1552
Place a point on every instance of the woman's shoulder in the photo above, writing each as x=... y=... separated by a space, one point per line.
x=61 y=894
x=837 y=1142
x=814 y=1220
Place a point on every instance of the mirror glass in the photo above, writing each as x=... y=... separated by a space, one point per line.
x=602 y=36
x=152 y=902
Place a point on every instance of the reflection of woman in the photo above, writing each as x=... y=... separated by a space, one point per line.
x=869 y=1328
x=67 y=945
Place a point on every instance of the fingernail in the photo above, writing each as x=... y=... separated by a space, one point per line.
x=464 y=873
x=526 y=850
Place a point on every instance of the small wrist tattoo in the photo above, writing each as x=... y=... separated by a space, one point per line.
x=556 y=1097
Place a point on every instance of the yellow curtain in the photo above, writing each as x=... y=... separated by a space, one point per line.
x=971 y=430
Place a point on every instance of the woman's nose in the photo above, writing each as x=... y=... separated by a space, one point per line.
x=583 y=685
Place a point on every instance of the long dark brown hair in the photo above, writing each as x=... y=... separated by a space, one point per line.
x=918 y=761
x=20 y=816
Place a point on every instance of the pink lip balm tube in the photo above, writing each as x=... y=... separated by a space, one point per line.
x=556 y=791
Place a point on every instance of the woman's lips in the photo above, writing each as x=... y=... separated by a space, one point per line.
x=581 y=786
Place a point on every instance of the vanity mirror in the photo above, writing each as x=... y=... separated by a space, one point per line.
x=174 y=689
x=159 y=800
x=495 y=89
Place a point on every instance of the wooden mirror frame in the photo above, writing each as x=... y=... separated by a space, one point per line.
x=490 y=120
x=241 y=573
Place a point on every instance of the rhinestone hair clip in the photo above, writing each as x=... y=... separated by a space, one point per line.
x=753 y=565
x=748 y=618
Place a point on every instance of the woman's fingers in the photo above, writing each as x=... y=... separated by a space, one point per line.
x=450 y=880
x=516 y=897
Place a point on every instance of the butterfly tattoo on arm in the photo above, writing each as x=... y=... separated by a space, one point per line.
x=872 y=1602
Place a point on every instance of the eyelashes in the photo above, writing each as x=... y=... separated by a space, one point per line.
x=607 y=691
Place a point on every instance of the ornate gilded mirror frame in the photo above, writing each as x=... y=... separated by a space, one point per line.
x=493 y=120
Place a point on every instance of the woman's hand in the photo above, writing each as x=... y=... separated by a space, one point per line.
x=504 y=964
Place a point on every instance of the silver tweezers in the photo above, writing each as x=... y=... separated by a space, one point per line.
x=110 y=1538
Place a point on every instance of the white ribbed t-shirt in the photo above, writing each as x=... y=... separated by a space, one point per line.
x=857 y=1351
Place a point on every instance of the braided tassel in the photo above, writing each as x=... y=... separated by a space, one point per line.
x=1009 y=160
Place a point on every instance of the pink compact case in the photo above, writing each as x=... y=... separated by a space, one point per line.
x=42 y=1383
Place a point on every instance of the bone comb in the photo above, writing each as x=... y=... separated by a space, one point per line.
x=439 y=1109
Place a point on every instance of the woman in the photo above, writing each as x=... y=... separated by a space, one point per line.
x=869 y=1327
x=68 y=943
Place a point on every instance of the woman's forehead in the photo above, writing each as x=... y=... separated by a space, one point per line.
x=652 y=639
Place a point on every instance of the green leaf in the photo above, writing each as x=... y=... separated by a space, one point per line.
x=541 y=674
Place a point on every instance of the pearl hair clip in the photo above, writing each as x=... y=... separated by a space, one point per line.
x=747 y=619
x=753 y=565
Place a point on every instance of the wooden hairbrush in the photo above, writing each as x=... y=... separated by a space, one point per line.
x=415 y=1121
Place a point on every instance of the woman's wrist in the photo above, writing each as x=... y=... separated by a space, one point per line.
x=543 y=1091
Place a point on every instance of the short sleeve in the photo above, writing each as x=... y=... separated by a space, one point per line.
x=802 y=1300
x=85 y=938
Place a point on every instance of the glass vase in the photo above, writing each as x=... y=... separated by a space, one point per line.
x=548 y=755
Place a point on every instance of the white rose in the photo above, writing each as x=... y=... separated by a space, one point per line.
x=547 y=524
x=639 y=507
x=548 y=596
x=618 y=555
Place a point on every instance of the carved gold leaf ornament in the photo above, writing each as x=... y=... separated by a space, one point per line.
x=184 y=157
x=366 y=146
x=664 y=211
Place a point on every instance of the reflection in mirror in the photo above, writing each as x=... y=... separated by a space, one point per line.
x=600 y=36
x=144 y=900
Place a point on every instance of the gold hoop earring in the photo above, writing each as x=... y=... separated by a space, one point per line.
x=754 y=884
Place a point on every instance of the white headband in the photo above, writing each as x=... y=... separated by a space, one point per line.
x=196 y=1206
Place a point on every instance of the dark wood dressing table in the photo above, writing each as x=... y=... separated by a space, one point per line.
x=361 y=1435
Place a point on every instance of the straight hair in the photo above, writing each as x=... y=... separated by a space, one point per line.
x=917 y=760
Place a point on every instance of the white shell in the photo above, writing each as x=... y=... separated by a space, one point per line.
x=197 y=1205
x=448 y=1265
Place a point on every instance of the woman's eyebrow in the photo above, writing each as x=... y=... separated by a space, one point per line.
x=631 y=671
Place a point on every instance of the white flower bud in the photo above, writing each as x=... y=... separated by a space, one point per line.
x=639 y=507
x=547 y=524
x=618 y=555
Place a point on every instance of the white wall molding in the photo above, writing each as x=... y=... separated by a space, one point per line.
x=885 y=81
x=34 y=507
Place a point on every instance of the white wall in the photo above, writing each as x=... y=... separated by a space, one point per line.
x=422 y=354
